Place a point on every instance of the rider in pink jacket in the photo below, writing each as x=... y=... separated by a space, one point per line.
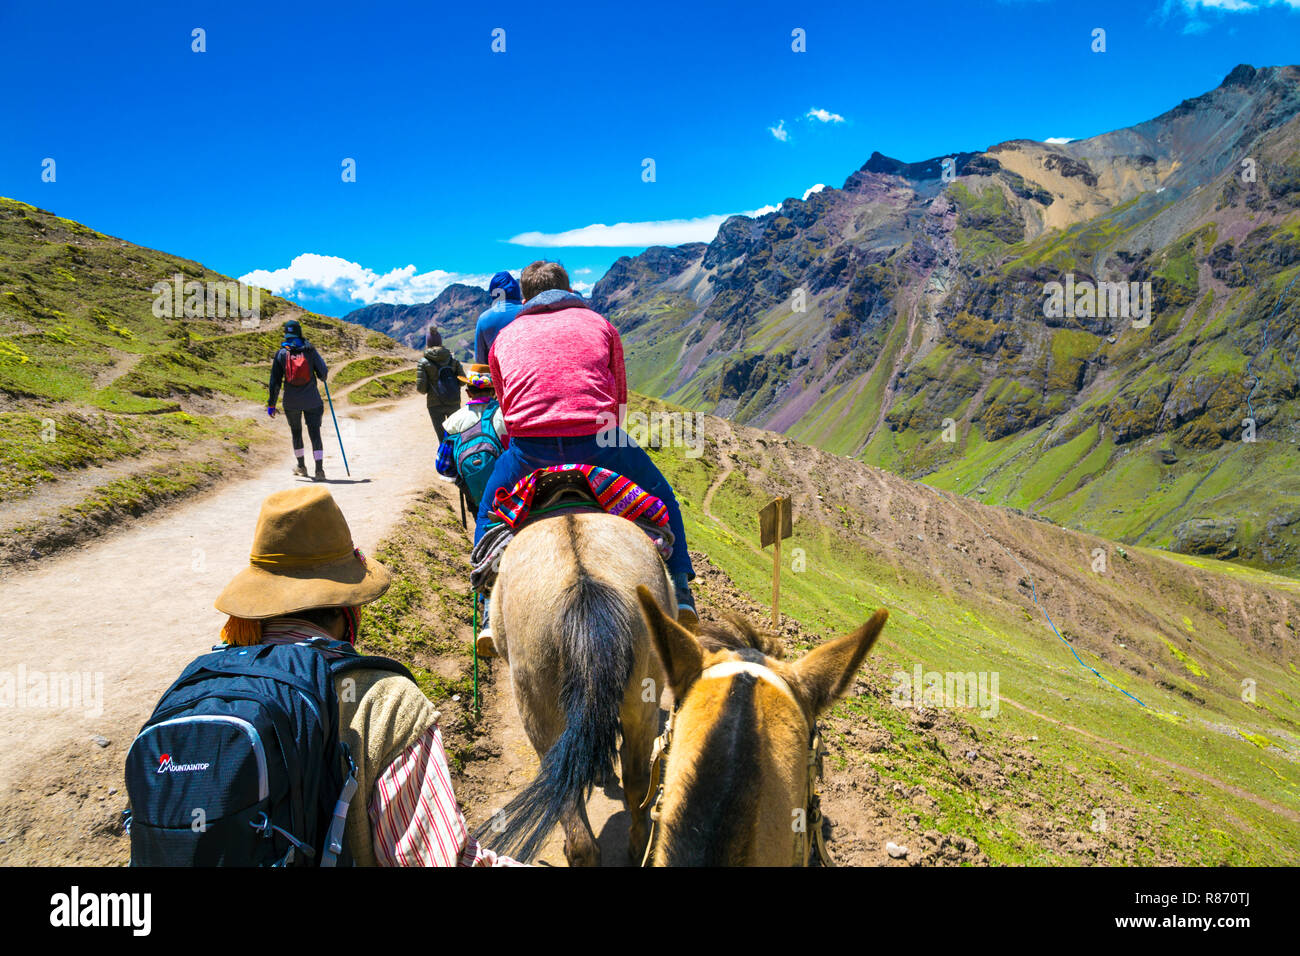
x=559 y=375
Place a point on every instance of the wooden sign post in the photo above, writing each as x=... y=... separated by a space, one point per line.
x=774 y=523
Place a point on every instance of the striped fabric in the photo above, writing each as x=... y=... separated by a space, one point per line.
x=291 y=630
x=617 y=495
x=414 y=815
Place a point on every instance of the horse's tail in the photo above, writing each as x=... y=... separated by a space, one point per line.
x=596 y=657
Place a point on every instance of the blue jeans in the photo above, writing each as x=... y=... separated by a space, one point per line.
x=624 y=456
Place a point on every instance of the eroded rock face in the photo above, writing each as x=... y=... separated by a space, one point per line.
x=1071 y=167
x=1213 y=537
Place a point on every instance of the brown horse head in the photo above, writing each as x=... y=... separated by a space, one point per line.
x=736 y=779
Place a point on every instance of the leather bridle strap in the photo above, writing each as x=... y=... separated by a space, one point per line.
x=813 y=815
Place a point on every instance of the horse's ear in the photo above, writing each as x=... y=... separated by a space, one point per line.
x=827 y=673
x=678 y=648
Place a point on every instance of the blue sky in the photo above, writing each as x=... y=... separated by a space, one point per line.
x=469 y=161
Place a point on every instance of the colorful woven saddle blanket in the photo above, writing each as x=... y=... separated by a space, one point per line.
x=566 y=489
x=581 y=484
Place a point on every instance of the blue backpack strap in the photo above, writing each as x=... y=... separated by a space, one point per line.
x=487 y=423
x=350 y=660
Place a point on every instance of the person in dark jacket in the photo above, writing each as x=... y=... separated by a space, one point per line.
x=301 y=400
x=438 y=378
x=507 y=300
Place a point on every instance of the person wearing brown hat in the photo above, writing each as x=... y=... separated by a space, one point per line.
x=306 y=580
x=479 y=394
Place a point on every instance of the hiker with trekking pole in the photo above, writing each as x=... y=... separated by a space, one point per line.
x=297 y=366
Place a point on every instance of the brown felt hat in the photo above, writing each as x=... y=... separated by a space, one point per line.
x=302 y=558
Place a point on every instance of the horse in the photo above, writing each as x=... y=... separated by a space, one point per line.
x=736 y=784
x=565 y=618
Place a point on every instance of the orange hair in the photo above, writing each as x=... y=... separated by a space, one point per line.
x=241 y=632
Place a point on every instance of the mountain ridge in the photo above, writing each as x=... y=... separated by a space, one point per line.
x=865 y=318
x=453 y=312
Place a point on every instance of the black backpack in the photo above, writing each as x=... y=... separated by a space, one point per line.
x=447 y=385
x=241 y=763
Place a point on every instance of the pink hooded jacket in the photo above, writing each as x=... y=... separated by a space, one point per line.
x=558 y=369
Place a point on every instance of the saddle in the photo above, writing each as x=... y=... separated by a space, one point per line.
x=553 y=492
x=559 y=490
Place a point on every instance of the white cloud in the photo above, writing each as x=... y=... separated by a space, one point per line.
x=1204 y=15
x=1238 y=6
x=1193 y=7
x=814 y=115
x=824 y=116
x=1059 y=140
x=661 y=232
x=582 y=288
x=317 y=275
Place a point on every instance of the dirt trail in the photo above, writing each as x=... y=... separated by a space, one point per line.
x=487 y=784
x=130 y=610
x=136 y=606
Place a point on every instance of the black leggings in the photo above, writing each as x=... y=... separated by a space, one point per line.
x=313 y=416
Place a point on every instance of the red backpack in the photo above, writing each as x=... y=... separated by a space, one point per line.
x=297 y=370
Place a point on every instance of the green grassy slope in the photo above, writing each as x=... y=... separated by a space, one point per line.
x=1171 y=777
x=91 y=375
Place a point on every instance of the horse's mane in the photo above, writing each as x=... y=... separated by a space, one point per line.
x=737 y=633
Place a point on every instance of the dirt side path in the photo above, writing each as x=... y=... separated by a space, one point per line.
x=132 y=609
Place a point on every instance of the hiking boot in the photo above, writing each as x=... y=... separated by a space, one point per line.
x=686 y=615
x=320 y=472
x=301 y=469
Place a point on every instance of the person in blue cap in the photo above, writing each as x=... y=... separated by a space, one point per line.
x=506 y=303
x=297 y=366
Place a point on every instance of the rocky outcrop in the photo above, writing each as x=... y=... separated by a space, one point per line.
x=1209 y=536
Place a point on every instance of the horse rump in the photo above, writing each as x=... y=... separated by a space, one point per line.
x=596 y=626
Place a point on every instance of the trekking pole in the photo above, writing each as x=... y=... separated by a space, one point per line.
x=462 y=512
x=474 y=651
x=336 y=428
